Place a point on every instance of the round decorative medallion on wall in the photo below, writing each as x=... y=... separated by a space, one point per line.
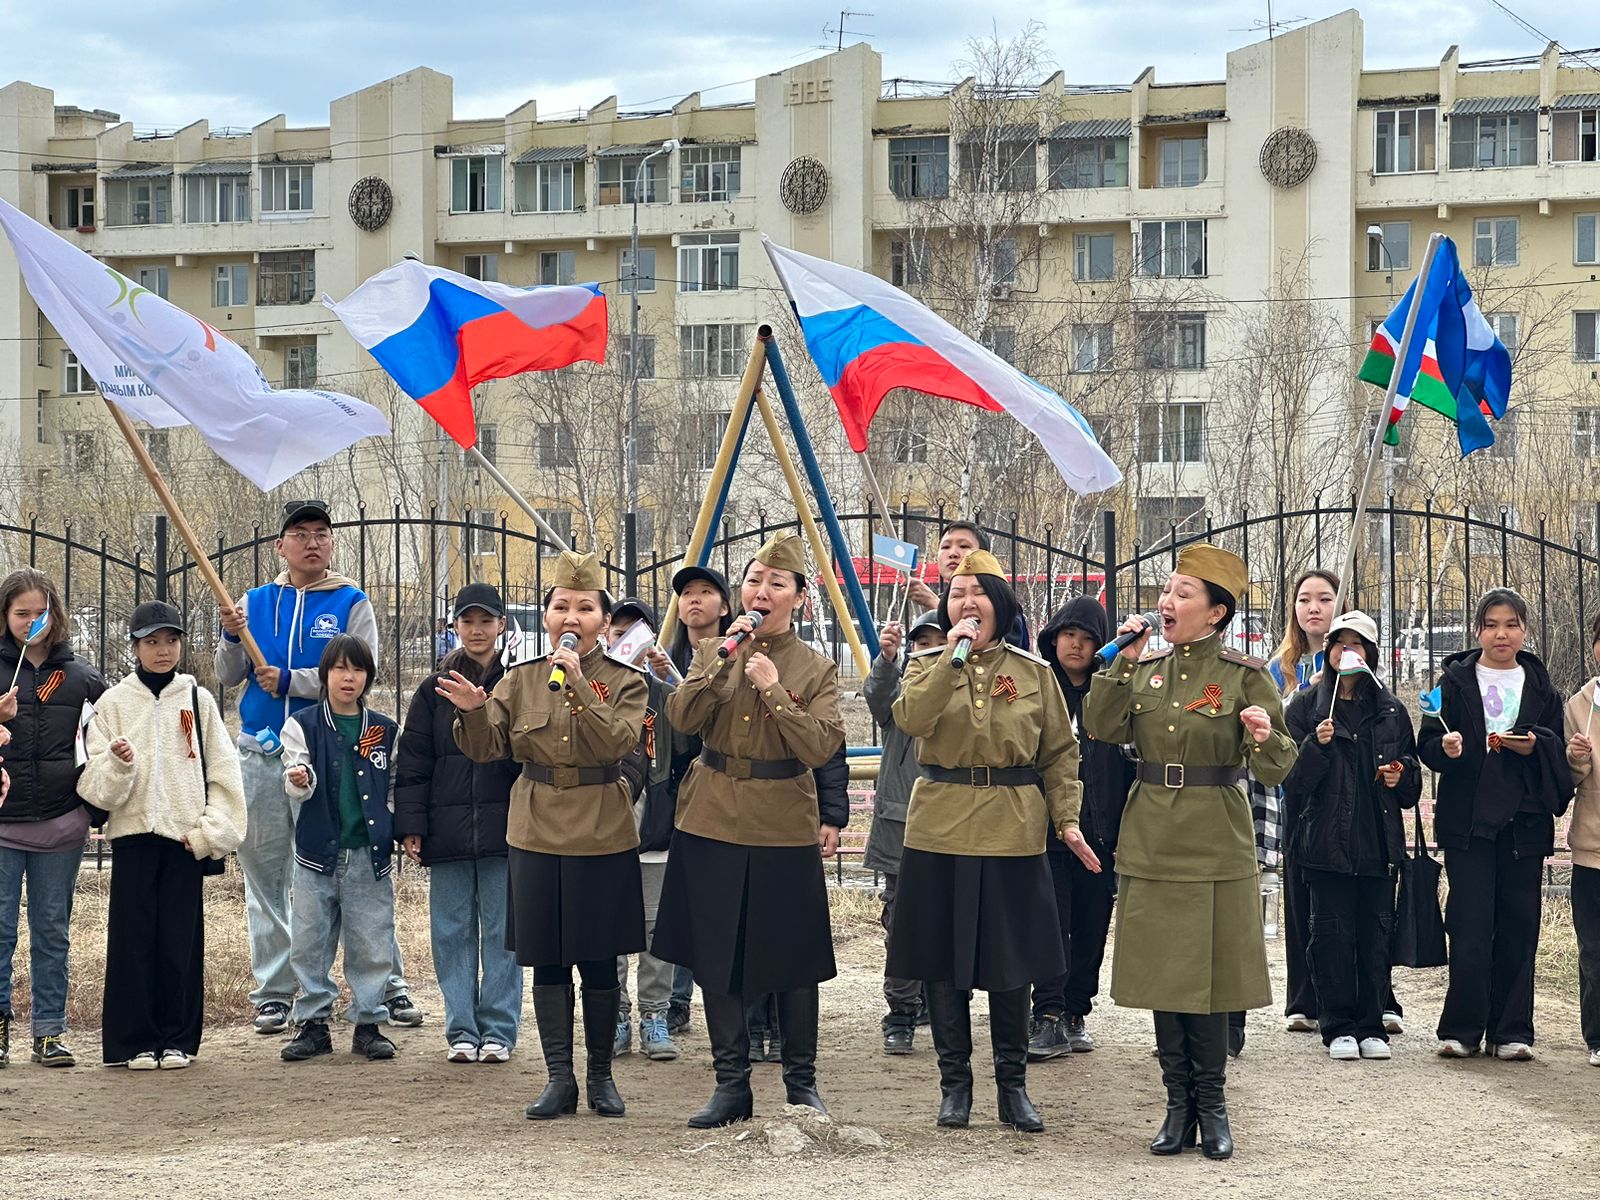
x=1288 y=157
x=371 y=203
x=804 y=186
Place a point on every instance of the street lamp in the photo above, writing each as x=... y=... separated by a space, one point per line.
x=1386 y=581
x=631 y=469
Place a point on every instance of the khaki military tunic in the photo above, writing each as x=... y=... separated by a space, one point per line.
x=1189 y=936
x=796 y=718
x=1004 y=710
x=594 y=724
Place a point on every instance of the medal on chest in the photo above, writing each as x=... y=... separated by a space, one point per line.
x=1157 y=680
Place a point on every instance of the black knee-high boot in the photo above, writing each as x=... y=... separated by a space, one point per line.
x=552 y=1012
x=1008 y=1032
x=1172 y=1047
x=950 y=1021
x=730 y=1053
x=1208 y=1055
x=797 y=1018
x=599 y=1036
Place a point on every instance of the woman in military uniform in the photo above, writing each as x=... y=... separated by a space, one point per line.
x=571 y=718
x=976 y=908
x=744 y=904
x=1189 y=938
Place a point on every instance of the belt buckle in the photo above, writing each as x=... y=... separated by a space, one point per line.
x=1172 y=775
x=564 y=777
x=982 y=781
x=736 y=768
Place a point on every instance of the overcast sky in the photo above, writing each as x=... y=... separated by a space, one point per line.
x=168 y=62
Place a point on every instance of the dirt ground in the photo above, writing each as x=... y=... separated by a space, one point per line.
x=241 y=1124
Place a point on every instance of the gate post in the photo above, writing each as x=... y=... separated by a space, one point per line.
x=161 y=556
x=1110 y=549
x=630 y=552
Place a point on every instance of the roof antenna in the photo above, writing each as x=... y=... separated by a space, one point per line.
x=840 y=31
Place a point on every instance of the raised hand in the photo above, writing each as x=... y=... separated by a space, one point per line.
x=461 y=692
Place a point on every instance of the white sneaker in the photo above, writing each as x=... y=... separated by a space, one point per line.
x=1450 y=1048
x=1375 y=1048
x=1344 y=1049
x=1514 y=1052
x=143 y=1062
x=1392 y=1023
x=1299 y=1023
x=174 y=1060
x=493 y=1052
x=1594 y=1058
x=462 y=1052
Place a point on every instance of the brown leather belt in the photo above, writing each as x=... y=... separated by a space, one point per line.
x=1176 y=775
x=982 y=777
x=751 y=768
x=567 y=777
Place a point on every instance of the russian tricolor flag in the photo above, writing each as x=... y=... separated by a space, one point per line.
x=439 y=333
x=868 y=338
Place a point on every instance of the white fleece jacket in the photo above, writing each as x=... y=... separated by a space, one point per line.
x=161 y=791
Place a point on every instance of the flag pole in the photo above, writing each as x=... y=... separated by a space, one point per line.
x=1380 y=427
x=510 y=490
x=169 y=502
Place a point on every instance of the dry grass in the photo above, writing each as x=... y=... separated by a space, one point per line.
x=1555 y=973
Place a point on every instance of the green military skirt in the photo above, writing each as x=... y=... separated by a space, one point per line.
x=1190 y=947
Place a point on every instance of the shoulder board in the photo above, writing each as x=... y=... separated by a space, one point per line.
x=1027 y=654
x=1150 y=656
x=928 y=651
x=1229 y=654
x=626 y=666
x=528 y=662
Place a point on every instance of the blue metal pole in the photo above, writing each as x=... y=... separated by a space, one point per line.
x=727 y=486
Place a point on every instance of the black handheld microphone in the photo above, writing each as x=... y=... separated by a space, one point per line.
x=1114 y=647
x=958 y=656
x=734 y=641
x=558 y=675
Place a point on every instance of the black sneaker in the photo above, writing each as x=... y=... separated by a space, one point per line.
x=51 y=1051
x=311 y=1040
x=5 y=1040
x=1049 y=1040
x=272 y=1016
x=897 y=1039
x=1079 y=1039
x=403 y=1012
x=677 y=1017
x=369 y=1041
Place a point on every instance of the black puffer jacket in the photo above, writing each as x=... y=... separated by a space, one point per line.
x=1335 y=786
x=1105 y=772
x=40 y=759
x=833 y=791
x=458 y=807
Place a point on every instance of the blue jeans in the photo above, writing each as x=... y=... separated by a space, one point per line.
x=682 y=986
x=350 y=906
x=467 y=916
x=51 y=880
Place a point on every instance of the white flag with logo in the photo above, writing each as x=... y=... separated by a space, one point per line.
x=165 y=367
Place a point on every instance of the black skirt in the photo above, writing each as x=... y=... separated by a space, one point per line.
x=564 y=909
x=974 y=922
x=745 y=919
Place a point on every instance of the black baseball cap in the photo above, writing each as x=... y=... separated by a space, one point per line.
x=153 y=615
x=297 y=511
x=479 y=595
x=637 y=608
x=688 y=575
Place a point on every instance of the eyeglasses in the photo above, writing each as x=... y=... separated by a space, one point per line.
x=307 y=538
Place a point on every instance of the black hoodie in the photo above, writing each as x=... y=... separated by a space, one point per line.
x=1106 y=773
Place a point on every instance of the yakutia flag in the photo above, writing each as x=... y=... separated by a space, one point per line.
x=1456 y=366
x=868 y=338
x=164 y=367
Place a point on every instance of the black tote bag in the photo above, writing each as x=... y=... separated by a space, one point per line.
x=1419 y=922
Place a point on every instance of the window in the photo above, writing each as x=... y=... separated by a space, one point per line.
x=711 y=351
x=1094 y=256
x=1172 y=249
x=707 y=431
x=1586 y=432
x=644 y=529
x=216 y=198
x=286 y=189
x=1392 y=251
x=483 y=532
x=907 y=444
x=1171 y=433
x=231 y=287
x=647 y=357
x=908 y=262
x=1002 y=264
x=1005 y=160
x=1494 y=242
x=1405 y=140
x=555 y=445
x=157 y=446
x=647 y=269
x=550 y=187
x=558 y=266
x=1485 y=540
x=139 y=201
x=1503 y=140
x=476 y=183
x=300 y=365
x=1092 y=347
x=38 y=338
x=153 y=279
x=1378 y=526
x=708 y=262
x=995 y=441
x=1586 y=239
x=919 y=167
x=489 y=441
x=560 y=520
x=287 y=277
x=1089 y=163
x=74 y=377
x=1002 y=340
x=648 y=446
x=481 y=266
x=1161 y=516
x=1175 y=341
x=77 y=207
x=41 y=431
x=1505 y=437
x=1575 y=135
x=1506 y=328
x=1585 y=344
x=78 y=449
x=619 y=175
x=708 y=173
x=1183 y=161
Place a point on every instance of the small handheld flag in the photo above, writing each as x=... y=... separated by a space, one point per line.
x=1433 y=706
x=40 y=624
x=895 y=554
x=1351 y=662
